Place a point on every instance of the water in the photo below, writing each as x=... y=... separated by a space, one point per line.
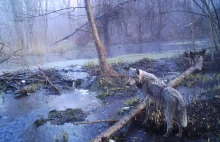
x=79 y=56
x=18 y=116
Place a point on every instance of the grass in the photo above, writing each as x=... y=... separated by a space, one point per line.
x=90 y=64
x=130 y=58
x=215 y=91
x=132 y=101
x=28 y=89
x=121 y=111
x=197 y=79
x=65 y=136
x=57 y=138
x=204 y=80
x=108 y=91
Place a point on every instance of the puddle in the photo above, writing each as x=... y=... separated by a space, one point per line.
x=18 y=116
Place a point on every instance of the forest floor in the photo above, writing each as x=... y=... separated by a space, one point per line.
x=203 y=108
x=118 y=99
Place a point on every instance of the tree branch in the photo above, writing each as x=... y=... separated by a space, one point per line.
x=53 y=11
x=78 y=29
x=185 y=11
x=7 y=58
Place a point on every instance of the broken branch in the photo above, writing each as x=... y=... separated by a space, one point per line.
x=47 y=80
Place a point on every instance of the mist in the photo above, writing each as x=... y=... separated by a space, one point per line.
x=83 y=70
x=33 y=32
x=45 y=26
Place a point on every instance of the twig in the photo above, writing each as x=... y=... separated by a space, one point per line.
x=93 y=122
x=47 y=80
x=78 y=29
x=9 y=56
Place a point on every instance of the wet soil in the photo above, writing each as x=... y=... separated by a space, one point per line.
x=60 y=117
x=113 y=93
x=202 y=107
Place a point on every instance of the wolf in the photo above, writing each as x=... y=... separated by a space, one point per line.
x=167 y=97
x=194 y=56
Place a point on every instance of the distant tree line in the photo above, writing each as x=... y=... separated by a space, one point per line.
x=33 y=23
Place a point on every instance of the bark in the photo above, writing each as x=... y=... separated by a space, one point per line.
x=106 y=36
x=128 y=118
x=105 y=67
x=191 y=26
x=30 y=24
x=218 y=20
x=212 y=25
x=46 y=21
x=120 y=124
x=18 y=12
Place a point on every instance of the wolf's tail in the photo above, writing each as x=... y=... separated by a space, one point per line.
x=182 y=115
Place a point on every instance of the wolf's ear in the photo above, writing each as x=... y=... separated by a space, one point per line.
x=138 y=72
x=203 y=52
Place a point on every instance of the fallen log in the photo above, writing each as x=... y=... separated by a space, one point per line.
x=104 y=136
x=198 y=67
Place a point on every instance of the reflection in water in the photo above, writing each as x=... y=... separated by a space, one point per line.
x=18 y=115
x=90 y=53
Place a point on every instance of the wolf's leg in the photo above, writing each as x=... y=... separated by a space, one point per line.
x=181 y=119
x=147 y=102
x=180 y=130
x=169 y=115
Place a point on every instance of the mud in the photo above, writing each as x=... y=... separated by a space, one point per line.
x=112 y=93
x=202 y=106
x=60 y=117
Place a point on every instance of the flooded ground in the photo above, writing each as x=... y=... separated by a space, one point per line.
x=17 y=116
x=80 y=56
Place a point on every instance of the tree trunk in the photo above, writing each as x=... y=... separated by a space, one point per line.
x=106 y=36
x=127 y=118
x=212 y=25
x=105 y=67
x=18 y=12
x=218 y=21
x=191 y=26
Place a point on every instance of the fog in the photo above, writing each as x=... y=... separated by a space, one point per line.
x=40 y=27
x=66 y=70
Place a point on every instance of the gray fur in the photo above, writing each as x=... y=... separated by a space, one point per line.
x=167 y=97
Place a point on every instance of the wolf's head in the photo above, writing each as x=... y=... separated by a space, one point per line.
x=134 y=76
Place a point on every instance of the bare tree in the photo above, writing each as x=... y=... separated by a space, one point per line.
x=105 y=21
x=212 y=25
x=106 y=69
x=206 y=9
x=18 y=10
x=4 y=57
x=190 y=25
